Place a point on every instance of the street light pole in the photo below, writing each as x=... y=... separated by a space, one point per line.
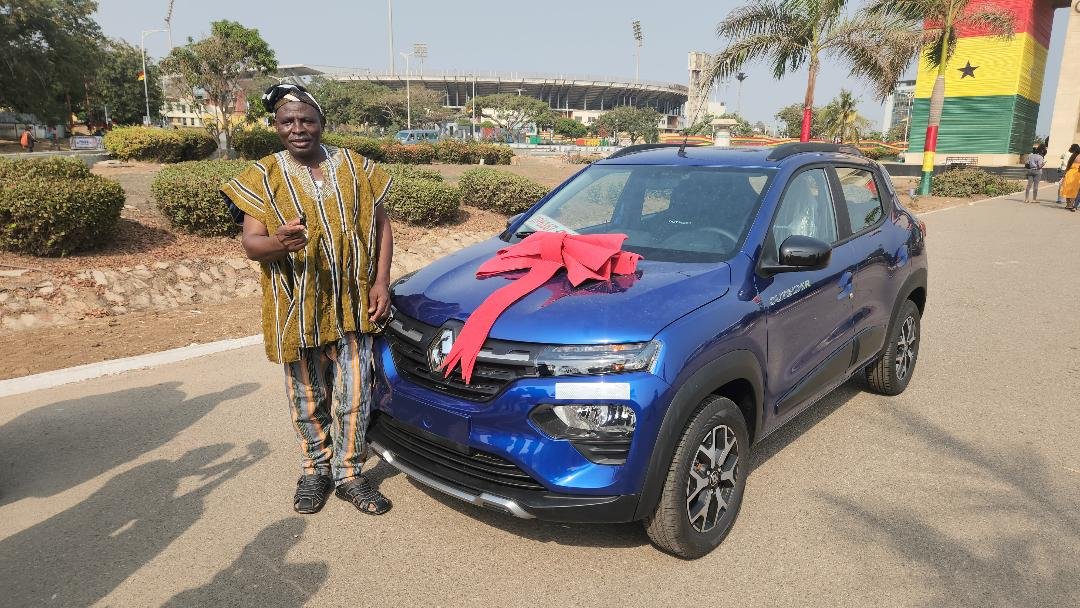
x=408 y=93
x=146 y=87
x=390 y=31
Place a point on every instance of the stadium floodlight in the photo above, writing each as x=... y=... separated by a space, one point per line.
x=420 y=52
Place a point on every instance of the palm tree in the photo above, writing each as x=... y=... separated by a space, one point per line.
x=942 y=18
x=842 y=120
x=793 y=33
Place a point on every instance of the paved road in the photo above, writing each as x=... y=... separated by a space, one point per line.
x=172 y=486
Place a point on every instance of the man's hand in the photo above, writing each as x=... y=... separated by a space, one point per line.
x=379 y=302
x=292 y=235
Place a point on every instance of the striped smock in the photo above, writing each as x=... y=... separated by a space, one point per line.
x=314 y=296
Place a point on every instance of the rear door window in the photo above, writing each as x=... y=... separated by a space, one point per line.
x=862 y=198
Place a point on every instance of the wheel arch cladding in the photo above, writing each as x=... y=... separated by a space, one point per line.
x=735 y=375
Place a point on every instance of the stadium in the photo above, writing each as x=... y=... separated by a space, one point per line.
x=577 y=97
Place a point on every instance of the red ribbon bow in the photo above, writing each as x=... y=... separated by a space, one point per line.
x=585 y=256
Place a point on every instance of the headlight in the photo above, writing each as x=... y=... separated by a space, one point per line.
x=597 y=359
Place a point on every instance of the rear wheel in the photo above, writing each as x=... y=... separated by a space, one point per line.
x=704 y=486
x=890 y=374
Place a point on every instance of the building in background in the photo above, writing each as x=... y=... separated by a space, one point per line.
x=898 y=106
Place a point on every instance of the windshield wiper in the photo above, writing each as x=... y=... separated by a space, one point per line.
x=520 y=234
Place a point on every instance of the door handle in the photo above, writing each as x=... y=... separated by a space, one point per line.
x=846 y=286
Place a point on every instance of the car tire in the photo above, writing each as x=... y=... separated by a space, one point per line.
x=892 y=371
x=695 y=513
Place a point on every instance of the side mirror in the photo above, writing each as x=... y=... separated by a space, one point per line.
x=799 y=252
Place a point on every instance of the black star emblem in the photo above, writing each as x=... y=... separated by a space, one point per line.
x=968 y=70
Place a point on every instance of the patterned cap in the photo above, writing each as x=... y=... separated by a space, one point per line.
x=280 y=94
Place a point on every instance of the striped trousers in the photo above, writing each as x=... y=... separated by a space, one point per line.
x=329 y=391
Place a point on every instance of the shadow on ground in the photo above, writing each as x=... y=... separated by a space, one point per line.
x=77 y=557
x=56 y=447
x=633 y=534
x=260 y=576
x=1020 y=540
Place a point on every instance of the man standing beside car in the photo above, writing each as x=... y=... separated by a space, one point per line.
x=312 y=216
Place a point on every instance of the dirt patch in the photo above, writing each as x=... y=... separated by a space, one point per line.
x=102 y=339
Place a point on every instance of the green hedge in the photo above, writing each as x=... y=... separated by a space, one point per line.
x=446 y=151
x=412 y=172
x=499 y=191
x=187 y=194
x=971 y=182
x=56 y=166
x=472 y=152
x=423 y=202
x=159 y=145
x=56 y=216
x=256 y=143
x=367 y=147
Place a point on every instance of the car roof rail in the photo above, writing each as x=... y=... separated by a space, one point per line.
x=641 y=148
x=785 y=150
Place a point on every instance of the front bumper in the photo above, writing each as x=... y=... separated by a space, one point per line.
x=446 y=467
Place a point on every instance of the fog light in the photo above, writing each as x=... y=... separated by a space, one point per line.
x=581 y=421
x=602 y=433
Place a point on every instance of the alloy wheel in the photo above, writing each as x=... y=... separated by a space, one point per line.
x=905 y=348
x=713 y=475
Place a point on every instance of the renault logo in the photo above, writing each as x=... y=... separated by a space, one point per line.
x=440 y=348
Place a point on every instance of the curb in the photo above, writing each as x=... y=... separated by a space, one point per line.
x=36 y=382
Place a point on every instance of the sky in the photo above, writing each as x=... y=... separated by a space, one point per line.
x=582 y=37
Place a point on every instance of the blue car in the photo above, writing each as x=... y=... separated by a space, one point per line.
x=769 y=278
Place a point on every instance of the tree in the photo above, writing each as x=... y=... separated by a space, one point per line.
x=635 y=122
x=792 y=117
x=943 y=19
x=898 y=132
x=792 y=33
x=568 y=127
x=217 y=64
x=116 y=85
x=510 y=112
x=841 y=120
x=359 y=103
x=47 y=49
x=703 y=126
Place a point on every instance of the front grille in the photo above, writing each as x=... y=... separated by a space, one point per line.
x=499 y=363
x=459 y=464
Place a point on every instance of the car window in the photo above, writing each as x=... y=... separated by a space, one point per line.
x=669 y=213
x=861 y=197
x=806 y=210
x=593 y=205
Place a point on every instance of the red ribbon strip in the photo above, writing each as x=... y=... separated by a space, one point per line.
x=585 y=256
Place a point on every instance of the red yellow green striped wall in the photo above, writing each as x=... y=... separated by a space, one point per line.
x=992 y=86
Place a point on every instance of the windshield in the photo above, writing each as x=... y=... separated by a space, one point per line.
x=676 y=214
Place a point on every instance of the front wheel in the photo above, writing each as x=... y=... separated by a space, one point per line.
x=890 y=374
x=704 y=486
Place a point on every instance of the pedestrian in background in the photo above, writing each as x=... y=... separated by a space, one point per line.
x=1034 y=164
x=313 y=216
x=1070 y=184
x=27 y=140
